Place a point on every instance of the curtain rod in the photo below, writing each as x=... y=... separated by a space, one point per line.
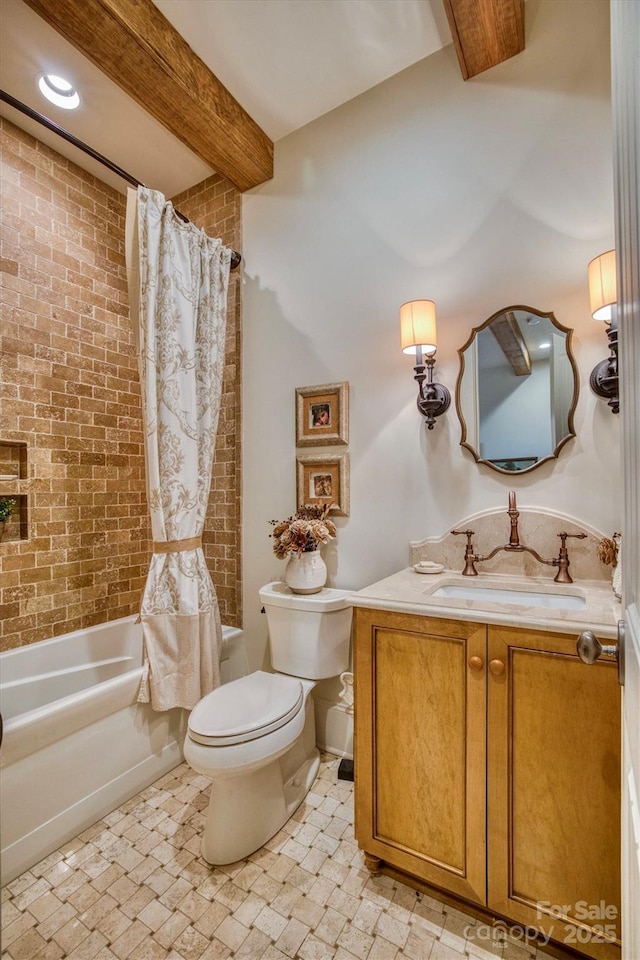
x=70 y=138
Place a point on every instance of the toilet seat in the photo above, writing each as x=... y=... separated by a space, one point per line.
x=246 y=709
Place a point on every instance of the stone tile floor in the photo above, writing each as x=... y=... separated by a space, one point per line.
x=134 y=887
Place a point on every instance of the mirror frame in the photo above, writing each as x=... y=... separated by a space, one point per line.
x=574 y=401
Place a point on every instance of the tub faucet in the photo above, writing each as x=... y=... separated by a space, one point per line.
x=514 y=546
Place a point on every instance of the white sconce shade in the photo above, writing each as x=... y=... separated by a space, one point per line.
x=602 y=285
x=603 y=298
x=418 y=326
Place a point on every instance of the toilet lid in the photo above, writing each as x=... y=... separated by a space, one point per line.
x=245 y=709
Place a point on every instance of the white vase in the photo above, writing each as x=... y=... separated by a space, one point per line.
x=306 y=573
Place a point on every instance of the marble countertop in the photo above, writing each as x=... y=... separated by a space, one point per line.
x=410 y=592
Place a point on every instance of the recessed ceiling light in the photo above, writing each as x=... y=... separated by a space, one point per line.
x=544 y=346
x=59 y=91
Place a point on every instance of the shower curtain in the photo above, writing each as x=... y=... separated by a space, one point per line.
x=178 y=280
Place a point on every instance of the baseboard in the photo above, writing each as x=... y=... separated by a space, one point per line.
x=334 y=728
x=39 y=843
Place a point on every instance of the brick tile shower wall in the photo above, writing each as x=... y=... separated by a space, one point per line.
x=69 y=389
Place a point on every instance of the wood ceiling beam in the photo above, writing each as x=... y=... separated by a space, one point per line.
x=485 y=32
x=136 y=47
x=507 y=332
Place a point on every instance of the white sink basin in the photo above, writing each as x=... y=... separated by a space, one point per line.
x=523 y=598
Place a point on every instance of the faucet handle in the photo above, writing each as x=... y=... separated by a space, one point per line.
x=464 y=533
x=562 y=560
x=469 y=555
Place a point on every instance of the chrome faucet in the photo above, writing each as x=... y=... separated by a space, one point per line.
x=514 y=546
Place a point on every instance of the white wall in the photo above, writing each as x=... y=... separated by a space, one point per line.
x=478 y=195
x=514 y=412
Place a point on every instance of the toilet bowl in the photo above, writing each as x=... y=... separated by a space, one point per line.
x=255 y=736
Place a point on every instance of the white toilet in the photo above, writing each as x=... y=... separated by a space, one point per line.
x=256 y=736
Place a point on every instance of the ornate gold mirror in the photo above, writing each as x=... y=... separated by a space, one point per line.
x=517 y=389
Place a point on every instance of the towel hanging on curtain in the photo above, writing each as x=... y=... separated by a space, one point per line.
x=178 y=281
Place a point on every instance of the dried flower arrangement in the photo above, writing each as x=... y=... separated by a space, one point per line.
x=608 y=549
x=303 y=532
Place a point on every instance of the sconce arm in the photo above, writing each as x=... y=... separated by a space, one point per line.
x=604 y=376
x=434 y=399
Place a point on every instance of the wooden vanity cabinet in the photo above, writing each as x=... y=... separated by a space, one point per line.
x=553 y=783
x=487 y=763
x=420 y=747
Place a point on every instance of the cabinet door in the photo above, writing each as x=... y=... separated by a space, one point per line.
x=420 y=749
x=554 y=789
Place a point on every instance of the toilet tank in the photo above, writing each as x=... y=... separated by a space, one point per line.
x=309 y=635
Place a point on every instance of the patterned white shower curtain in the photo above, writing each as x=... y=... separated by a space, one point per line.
x=178 y=280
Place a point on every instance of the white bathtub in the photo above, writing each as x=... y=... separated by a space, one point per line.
x=76 y=743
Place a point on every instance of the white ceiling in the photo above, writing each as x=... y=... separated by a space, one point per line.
x=285 y=61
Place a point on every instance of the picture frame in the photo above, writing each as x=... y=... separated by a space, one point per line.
x=323 y=479
x=322 y=414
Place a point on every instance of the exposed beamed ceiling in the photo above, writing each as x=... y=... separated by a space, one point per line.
x=485 y=32
x=137 y=48
x=222 y=62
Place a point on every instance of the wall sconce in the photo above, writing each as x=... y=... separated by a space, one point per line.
x=603 y=298
x=418 y=336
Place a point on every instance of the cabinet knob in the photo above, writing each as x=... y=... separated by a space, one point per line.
x=496 y=667
x=476 y=663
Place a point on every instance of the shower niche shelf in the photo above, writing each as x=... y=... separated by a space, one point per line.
x=13 y=474
x=13 y=461
x=16 y=526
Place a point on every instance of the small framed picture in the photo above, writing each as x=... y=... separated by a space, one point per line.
x=324 y=479
x=322 y=414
